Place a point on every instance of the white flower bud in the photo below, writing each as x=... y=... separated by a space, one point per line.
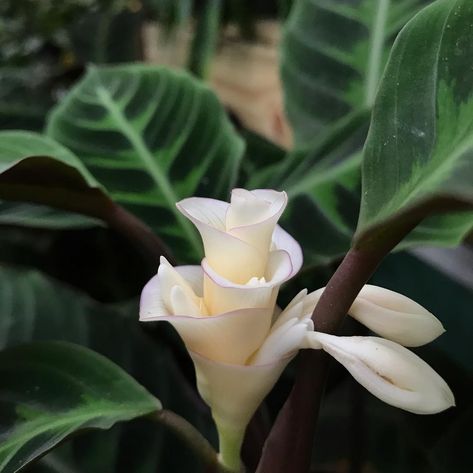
x=389 y=371
x=395 y=317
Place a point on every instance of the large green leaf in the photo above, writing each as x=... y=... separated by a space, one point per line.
x=35 y=168
x=333 y=55
x=40 y=216
x=330 y=79
x=151 y=137
x=419 y=153
x=37 y=308
x=50 y=390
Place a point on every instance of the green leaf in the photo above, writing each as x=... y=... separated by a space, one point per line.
x=50 y=390
x=418 y=156
x=35 y=168
x=333 y=53
x=16 y=145
x=40 y=216
x=32 y=308
x=151 y=137
x=329 y=82
x=205 y=38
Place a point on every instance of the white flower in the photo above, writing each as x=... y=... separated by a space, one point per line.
x=240 y=237
x=389 y=371
x=395 y=317
x=225 y=312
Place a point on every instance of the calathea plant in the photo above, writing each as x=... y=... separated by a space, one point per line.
x=128 y=142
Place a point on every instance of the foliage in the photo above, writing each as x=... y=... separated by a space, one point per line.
x=111 y=149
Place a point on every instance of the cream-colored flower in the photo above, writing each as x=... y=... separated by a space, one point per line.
x=394 y=316
x=389 y=371
x=225 y=312
x=240 y=236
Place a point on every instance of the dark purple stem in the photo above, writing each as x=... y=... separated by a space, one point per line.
x=289 y=444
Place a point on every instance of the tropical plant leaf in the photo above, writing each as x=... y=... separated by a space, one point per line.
x=329 y=82
x=22 y=214
x=50 y=390
x=328 y=74
x=418 y=156
x=37 y=308
x=35 y=168
x=151 y=137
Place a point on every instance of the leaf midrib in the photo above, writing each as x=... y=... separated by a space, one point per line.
x=79 y=420
x=147 y=158
x=376 y=43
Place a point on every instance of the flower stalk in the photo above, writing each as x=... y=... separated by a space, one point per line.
x=289 y=444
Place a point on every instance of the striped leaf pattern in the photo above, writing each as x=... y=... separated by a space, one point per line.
x=151 y=137
x=330 y=83
x=333 y=56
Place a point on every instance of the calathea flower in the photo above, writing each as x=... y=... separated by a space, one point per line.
x=225 y=312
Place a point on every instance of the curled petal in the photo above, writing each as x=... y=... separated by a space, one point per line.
x=222 y=295
x=238 y=237
x=232 y=391
x=389 y=371
x=290 y=329
x=395 y=317
x=284 y=341
x=157 y=297
x=230 y=338
x=252 y=216
x=301 y=307
x=231 y=257
x=283 y=241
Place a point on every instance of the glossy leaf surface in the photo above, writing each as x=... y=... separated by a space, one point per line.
x=151 y=137
x=51 y=389
x=419 y=154
x=333 y=56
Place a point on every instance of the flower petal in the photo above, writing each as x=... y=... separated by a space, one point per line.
x=222 y=295
x=284 y=341
x=395 y=317
x=389 y=371
x=232 y=391
x=283 y=241
x=301 y=307
x=253 y=215
x=231 y=257
x=156 y=298
x=230 y=338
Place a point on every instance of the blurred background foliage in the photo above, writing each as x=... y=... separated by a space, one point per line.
x=65 y=276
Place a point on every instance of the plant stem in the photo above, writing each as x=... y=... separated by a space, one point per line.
x=192 y=437
x=230 y=441
x=289 y=444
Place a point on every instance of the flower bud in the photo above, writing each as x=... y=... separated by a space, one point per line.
x=395 y=317
x=389 y=371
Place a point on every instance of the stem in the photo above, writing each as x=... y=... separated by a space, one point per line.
x=230 y=442
x=192 y=437
x=289 y=444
